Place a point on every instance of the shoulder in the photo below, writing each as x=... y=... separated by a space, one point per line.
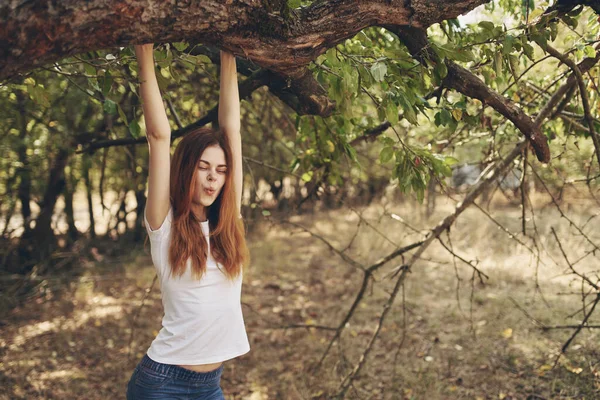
x=162 y=230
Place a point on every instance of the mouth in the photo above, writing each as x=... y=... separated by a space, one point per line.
x=209 y=191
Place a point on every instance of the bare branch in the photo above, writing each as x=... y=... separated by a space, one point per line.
x=583 y=93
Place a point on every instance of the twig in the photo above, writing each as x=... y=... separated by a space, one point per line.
x=583 y=93
x=174 y=113
x=469 y=263
x=137 y=314
x=523 y=196
x=562 y=214
x=562 y=250
x=344 y=256
x=434 y=234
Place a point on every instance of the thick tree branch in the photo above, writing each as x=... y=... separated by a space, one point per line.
x=36 y=32
x=249 y=85
x=304 y=95
x=584 y=66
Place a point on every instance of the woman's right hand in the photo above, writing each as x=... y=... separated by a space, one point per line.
x=143 y=48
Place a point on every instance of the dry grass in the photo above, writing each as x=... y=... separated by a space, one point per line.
x=461 y=341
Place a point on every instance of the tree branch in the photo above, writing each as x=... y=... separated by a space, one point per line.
x=467 y=83
x=582 y=92
x=36 y=32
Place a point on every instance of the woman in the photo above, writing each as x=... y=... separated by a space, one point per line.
x=197 y=243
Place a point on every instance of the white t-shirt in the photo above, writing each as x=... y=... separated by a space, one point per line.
x=203 y=321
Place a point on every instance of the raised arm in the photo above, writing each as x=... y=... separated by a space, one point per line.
x=158 y=133
x=229 y=118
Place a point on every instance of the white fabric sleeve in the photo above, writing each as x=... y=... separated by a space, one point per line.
x=161 y=231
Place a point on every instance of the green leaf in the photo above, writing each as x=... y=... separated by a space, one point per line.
x=409 y=112
x=266 y=213
x=386 y=154
x=508 y=44
x=572 y=22
x=163 y=83
x=110 y=107
x=89 y=69
x=378 y=71
x=134 y=129
x=351 y=152
x=441 y=70
x=487 y=26
x=38 y=95
x=463 y=55
x=498 y=64
x=122 y=114
x=391 y=112
x=540 y=39
x=589 y=51
x=448 y=160
x=528 y=51
x=445 y=117
x=553 y=31
x=180 y=46
x=202 y=59
x=513 y=61
x=106 y=83
x=457 y=114
x=386 y=140
x=307 y=176
x=173 y=72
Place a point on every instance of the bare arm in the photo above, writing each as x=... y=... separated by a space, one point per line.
x=158 y=133
x=229 y=118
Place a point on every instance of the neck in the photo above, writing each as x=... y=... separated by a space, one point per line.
x=199 y=211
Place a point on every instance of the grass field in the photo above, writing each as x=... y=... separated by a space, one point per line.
x=447 y=336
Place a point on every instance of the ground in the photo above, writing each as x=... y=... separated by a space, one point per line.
x=446 y=337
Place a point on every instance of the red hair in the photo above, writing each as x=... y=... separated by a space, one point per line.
x=227 y=234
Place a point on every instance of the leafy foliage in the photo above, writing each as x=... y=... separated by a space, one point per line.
x=373 y=79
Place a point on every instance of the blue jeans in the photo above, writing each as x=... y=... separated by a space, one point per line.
x=154 y=380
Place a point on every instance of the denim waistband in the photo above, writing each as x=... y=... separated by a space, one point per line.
x=182 y=373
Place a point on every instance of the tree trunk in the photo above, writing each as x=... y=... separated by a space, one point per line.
x=140 y=197
x=24 y=171
x=38 y=244
x=71 y=184
x=88 y=190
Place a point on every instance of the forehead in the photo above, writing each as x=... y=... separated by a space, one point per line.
x=213 y=155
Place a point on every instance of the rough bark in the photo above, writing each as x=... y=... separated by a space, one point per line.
x=37 y=32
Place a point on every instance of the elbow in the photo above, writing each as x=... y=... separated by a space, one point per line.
x=162 y=134
x=230 y=129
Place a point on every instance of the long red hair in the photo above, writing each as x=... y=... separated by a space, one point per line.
x=227 y=231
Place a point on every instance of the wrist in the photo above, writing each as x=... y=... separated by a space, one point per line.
x=144 y=50
x=226 y=55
